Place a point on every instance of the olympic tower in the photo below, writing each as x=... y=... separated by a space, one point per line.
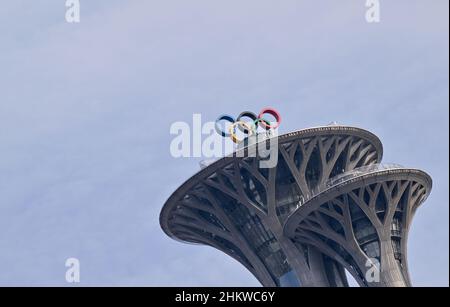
x=328 y=205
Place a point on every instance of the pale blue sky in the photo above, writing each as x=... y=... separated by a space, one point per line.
x=85 y=111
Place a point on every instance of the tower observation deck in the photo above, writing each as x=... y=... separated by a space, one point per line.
x=328 y=205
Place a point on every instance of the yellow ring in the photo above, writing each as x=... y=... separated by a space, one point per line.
x=233 y=135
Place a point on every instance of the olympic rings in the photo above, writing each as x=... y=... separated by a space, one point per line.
x=247 y=127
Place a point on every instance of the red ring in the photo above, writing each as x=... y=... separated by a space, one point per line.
x=272 y=112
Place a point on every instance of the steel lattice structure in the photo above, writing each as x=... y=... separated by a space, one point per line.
x=327 y=206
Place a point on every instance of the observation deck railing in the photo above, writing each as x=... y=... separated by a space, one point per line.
x=357 y=172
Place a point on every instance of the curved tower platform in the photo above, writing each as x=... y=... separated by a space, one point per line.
x=327 y=205
x=362 y=221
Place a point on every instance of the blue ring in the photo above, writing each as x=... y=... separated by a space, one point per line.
x=218 y=128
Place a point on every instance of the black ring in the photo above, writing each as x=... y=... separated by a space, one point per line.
x=248 y=114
